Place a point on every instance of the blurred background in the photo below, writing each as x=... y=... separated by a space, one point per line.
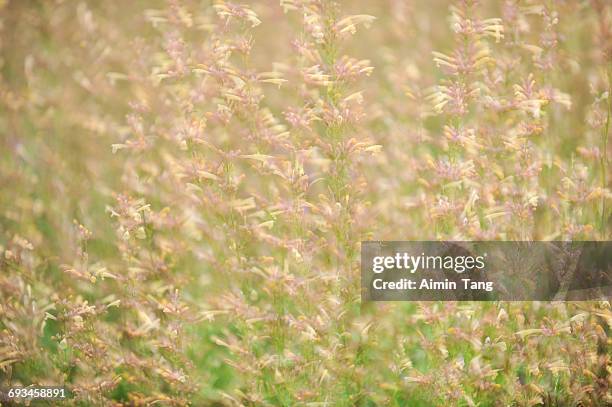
x=185 y=186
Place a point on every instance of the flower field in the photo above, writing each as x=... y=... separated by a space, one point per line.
x=184 y=187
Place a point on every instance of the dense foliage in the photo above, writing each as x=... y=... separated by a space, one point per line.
x=185 y=185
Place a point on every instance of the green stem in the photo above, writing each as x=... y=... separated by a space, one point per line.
x=604 y=157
